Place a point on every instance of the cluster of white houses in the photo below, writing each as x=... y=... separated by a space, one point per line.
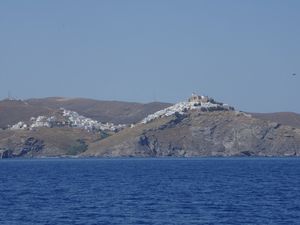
x=195 y=102
x=76 y=120
x=67 y=118
x=73 y=119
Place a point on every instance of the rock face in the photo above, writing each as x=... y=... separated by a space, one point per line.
x=6 y=153
x=30 y=146
x=198 y=133
x=45 y=142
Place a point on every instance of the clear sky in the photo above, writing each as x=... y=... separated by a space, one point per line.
x=240 y=52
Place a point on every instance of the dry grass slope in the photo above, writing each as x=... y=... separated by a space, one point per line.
x=13 y=111
x=284 y=118
x=202 y=134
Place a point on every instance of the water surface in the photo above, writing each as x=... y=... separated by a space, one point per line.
x=150 y=191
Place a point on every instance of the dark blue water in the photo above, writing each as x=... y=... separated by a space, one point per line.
x=150 y=191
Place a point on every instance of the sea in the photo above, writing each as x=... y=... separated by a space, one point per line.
x=150 y=191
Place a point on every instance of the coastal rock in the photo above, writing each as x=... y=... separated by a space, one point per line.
x=6 y=153
x=45 y=142
x=30 y=146
x=217 y=133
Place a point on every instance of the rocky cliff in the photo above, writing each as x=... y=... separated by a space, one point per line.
x=45 y=142
x=218 y=133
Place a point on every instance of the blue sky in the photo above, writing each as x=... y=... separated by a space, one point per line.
x=241 y=52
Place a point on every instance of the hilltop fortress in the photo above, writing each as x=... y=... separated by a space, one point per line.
x=195 y=102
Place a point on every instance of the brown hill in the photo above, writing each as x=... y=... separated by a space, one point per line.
x=220 y=133
x=45 y=142
x=105 y=111
x=285 y=118
x=13 y=111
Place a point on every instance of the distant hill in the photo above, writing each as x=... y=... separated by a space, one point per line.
x=284 y=118
x=13 y=111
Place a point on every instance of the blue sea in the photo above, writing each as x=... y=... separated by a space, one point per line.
x=150 y=191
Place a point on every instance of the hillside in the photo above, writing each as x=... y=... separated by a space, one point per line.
x=13 y=111
x=49 y=127
x=218 y=133
x=285 y=118
x=200 y=126
x=45 y=142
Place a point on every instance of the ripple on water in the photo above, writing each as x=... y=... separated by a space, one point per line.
x=150 y=191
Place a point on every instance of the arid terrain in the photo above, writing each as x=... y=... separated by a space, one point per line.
x=80 y=127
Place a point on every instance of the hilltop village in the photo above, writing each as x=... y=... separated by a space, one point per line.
x=67 y=118
x=70 y=118
x=195 y=102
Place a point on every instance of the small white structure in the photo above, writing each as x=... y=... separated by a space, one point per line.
x=41 y=121
x=198 y=98
x=19 y=126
